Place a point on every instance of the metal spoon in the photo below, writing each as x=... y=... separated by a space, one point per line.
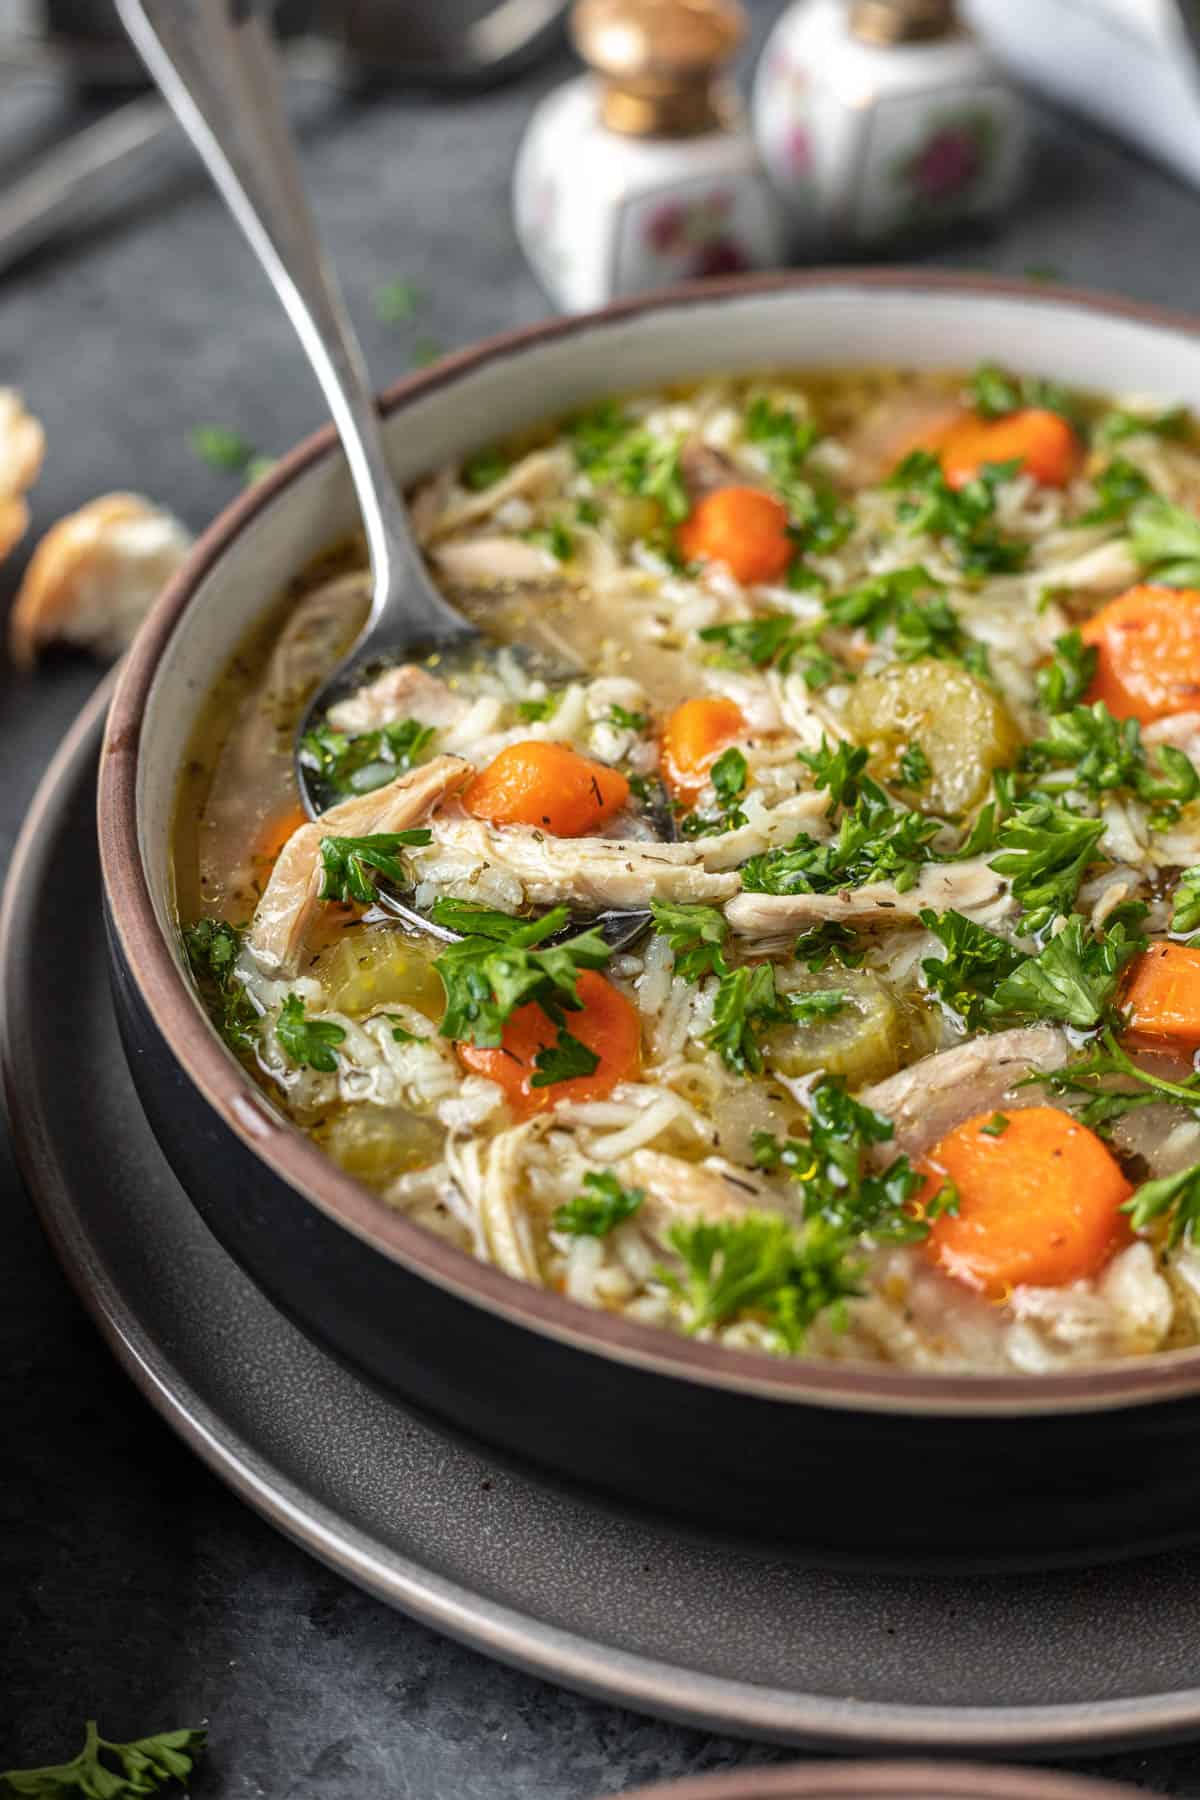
x=216 y=67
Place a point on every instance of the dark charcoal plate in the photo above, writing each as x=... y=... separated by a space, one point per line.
x=887 y=1781
x=596 y=1597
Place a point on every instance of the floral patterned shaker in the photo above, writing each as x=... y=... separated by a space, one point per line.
x=880 y=119
x=643 y=172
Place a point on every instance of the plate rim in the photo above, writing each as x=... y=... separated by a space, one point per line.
x=551 y=1652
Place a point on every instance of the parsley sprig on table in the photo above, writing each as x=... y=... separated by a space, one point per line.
x=360 y=762
x=601 y=1205
x=105 y=1770
x=501 y=963
x=346 y=860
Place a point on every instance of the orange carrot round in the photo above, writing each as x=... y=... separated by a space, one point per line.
x=1162 y=997
x=1042 y=442
x=1148 y=644
x=548 y=785
x=742 y=527
x=607 y=1024
x=1038 y=1202
x=693 y=738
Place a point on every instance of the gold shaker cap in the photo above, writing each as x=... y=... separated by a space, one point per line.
x=902 y=21
x=659 y=61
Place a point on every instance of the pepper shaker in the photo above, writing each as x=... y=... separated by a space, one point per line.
x=644 y=171
x=880 y=120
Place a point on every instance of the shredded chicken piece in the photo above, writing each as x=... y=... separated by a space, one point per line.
x=964 y=886
x=407 y=692
x=22 y=444
x=541 y=472
x=1111 y=565
x=677 y=1190
x=589 y=872
x=95 y=575
x=286 y=909
x=934 y=1095
x=493 y=561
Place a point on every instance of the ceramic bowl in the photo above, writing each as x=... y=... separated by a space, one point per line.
x=886 y=1781
x=857 y=1460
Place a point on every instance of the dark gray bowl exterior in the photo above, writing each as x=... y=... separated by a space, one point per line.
x=875 y=1465
x=881 y=1489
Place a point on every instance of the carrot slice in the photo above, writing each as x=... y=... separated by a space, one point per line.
x=1042 y=442
x=1162 y=997
x=608 y=1025
x=693 y=738
x=1038 y=1202
x=1148 y=644
x=549 y=785
x=741 y=527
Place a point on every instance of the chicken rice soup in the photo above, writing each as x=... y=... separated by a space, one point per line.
x=883 y=704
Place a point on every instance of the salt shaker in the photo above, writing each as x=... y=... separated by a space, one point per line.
x=882 y=119
x=644 y=171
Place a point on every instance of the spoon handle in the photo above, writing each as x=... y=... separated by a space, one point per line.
x=216 y=66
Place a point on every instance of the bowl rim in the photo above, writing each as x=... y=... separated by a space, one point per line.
x=876 y=1780
x=289 y=1153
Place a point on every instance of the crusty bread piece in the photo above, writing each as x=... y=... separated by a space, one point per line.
x=22 y=442
x=95 y=575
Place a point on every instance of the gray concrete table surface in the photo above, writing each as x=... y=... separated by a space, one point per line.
x=132 y=1586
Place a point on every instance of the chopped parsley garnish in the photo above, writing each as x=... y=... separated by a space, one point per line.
x=996 y=1126
x=696 y=934
x=1088 y=1077
x=909 y=603
x=1117 y=425
x=874 y=842
x=498 y=966
x=484 y=469
x=820 y=521
x=995 y=393
x=563 y=1060
x=346 y=861
x=818 y=1003
x=1065 y=680
x=104 y=1770
x=596 y=433
x=1175 y=1198
x=213 y=947
x=1185 y=913
x=617 y=452
x=1088 y=749
x=760 y=1265
x=601 y=1205
x=825 y=943
x=915 y=767
x=533 y=711
x=1045 y=851
x=988 y=982
x=963 y=516
x=553 y=537
x=309 y=1043
x=745 y=1001
x=366 y=760
x=765 y=643
x=1165 y=539
x=728 y=777
x=624 y=720
x=1118 y=487
x=839 y=768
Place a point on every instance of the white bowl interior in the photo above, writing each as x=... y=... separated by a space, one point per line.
x=834 y=325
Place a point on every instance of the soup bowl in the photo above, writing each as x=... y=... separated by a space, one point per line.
x=866 y=1461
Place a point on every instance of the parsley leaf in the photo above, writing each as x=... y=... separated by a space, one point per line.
x=1045 y=850
x=988 y=982
x=963 y=516
x=696 y=934
x=553 y=537
x=728 y=777
x=996 y=1126
x=764 y=642
x=818 y=1003
x=346 y=860
x=1118 y=487
x=1175 y=1197
x=624 y=720
x=826 y=943
x=484 y=469
x=532 y=711
x=837 y=767
x=599 y=1208
x=915 y=767
x=1185 y=915
x=563 y=1060
x=995 y=393
x=633 y=461
x=366 y=760
x=1117 y=425
x=1098 y=753
x=911 y=604
x=105 y=1770
x=596 y=433
x=499 y=966
x=1165 y=539
x=820 y=521
x=975 y=962
x=835 y=1172
x=213 y=947
x=1064 y=681
x=745 y=1000
x=1087 y=1077
x=761 y=1265
x=309 y=1043
x=874 y=842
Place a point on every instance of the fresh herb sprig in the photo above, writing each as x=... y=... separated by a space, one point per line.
x=1089 y=1080
x=1066 y=678
x=1185 y=910
x=994 y=393
x=1165 y=539
x=762 y=1266
x=602 y=1204
x=213 y=947
x=1087 y=749
x=501 y=963
x=728 y=776
x=347 y=860
x=963 y=516
x=1175 y=1198
x=988 y=982
x=360 y=762
x=308 y=1043
x=1044 y=849
x=105 y=1770
x=875 y=841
